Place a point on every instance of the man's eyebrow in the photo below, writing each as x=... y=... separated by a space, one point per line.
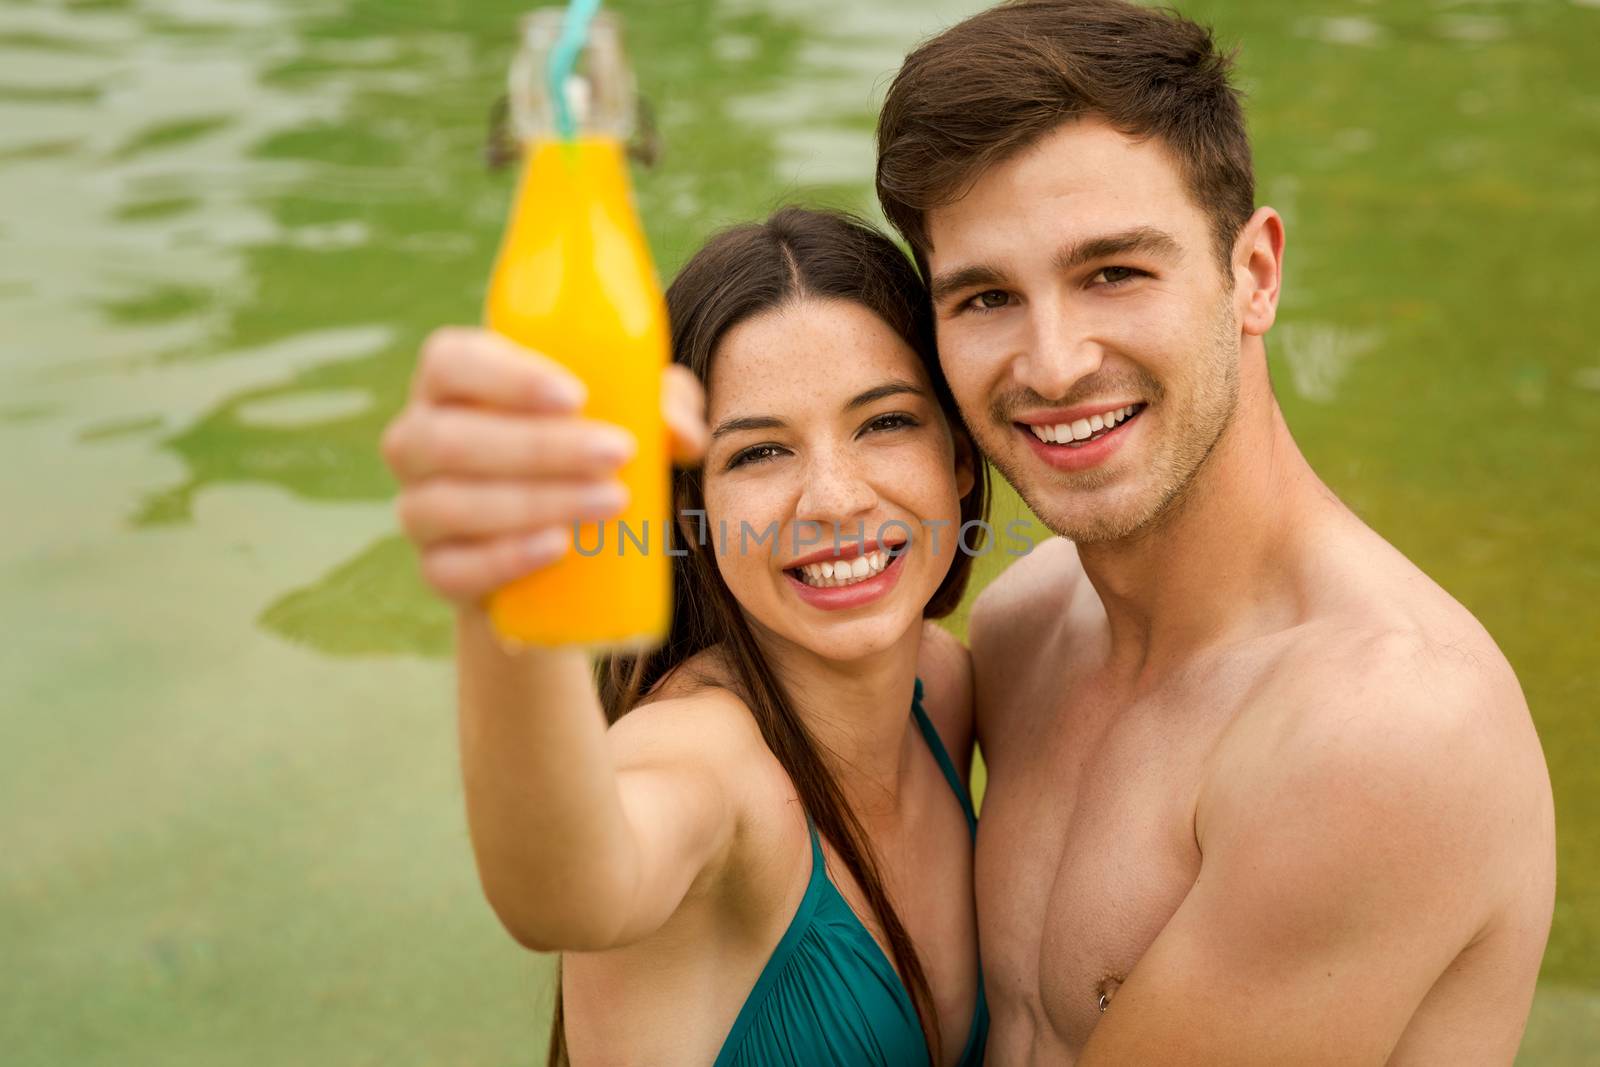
x=1146 y=240
x=894 y=387
x=747 y=422
x=951 y=282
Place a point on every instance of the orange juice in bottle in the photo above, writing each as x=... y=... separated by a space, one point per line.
x=575 y=282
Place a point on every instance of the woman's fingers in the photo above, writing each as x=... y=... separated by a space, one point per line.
x=683 y=404
x=426 y=442
x=468 y=571
x=494 y=463
x=463 y=364
x=442 y=510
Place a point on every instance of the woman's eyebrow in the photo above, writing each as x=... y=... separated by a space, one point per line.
x=747 y=422
x=893 y=387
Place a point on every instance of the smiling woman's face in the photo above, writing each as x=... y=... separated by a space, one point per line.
x=822 y=415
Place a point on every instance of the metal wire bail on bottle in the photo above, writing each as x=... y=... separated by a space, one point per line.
x=548 y=97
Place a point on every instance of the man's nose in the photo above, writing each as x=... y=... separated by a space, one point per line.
x=837 y=488
x=1059 y=351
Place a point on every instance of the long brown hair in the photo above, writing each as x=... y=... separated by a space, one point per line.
x=740 y=273
x=992 y=85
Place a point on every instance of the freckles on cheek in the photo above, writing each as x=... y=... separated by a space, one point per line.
x=924 y=480
x=732 y=507
x=715 y=502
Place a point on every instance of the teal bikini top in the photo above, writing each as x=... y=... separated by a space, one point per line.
x=829 y=997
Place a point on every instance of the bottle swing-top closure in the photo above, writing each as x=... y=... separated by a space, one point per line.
x=549 y=98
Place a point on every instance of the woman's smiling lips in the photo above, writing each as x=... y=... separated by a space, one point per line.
x=1080 y=439
x=880 y=565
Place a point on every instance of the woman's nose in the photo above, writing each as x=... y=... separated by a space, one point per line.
x=836 y=489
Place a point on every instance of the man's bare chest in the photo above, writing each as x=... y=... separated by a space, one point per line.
x=1086 y=848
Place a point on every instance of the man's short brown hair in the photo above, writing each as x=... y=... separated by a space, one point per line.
x=991 y=86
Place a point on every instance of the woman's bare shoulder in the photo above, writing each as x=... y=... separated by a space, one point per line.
x=695 y=717
x=945 y=667
x=694 y=708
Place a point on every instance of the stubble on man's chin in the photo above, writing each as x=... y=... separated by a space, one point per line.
x=1092 y=524
x=1178 y=478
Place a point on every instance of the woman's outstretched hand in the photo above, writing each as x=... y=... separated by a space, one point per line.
x=495 y=463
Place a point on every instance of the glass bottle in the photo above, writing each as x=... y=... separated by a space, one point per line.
x=574 y=281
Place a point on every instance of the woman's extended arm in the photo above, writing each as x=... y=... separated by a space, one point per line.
x=585 y=839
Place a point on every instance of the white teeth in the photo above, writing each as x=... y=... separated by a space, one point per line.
x=834 y=573
x=1081 y=429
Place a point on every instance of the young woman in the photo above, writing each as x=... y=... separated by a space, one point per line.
x=766 y=857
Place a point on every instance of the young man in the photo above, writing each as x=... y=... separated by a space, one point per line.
x=1260 y=792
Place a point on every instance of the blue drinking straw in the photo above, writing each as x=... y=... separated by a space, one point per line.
x=564 y=58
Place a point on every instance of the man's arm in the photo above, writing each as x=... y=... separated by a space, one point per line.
x=1353 y=846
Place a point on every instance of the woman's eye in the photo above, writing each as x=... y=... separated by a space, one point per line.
x=753 y=454
x=1115 y=276
x=989 y=300
x=892 y=421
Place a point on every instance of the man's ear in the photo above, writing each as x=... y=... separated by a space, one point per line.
x=1258 y=271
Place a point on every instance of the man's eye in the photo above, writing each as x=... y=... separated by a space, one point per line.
x=989 y=300
x=1114 y=276
x=754 y=454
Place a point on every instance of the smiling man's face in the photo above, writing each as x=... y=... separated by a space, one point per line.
x=1087 y=327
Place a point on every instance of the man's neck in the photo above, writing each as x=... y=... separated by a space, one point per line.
x=1222 y=562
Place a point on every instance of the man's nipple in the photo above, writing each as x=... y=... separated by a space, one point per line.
x=1105 y=989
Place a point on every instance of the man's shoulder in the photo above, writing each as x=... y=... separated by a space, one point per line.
x=1426 y=652
x=1042 y=587
x=1380 y=691
x=1389 y=737
x=1028 y=630
x=1379 y=620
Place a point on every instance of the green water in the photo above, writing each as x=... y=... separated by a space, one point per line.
x=230 y=823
